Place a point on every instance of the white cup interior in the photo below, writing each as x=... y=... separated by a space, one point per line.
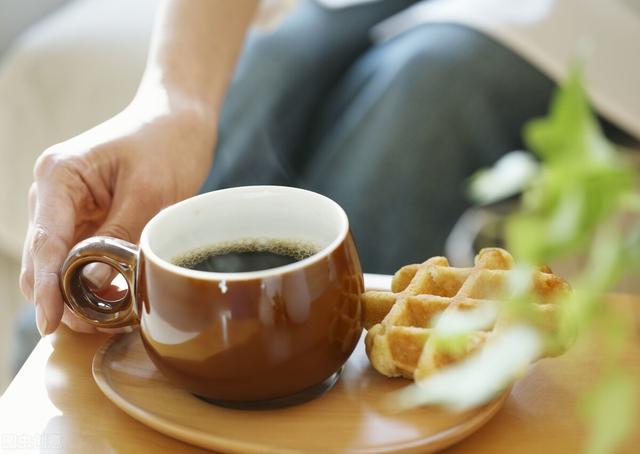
x=250 y=212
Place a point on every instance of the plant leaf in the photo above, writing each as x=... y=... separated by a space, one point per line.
x=583 y=180
x=610 y=410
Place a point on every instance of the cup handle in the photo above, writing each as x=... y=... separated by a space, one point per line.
x=120 y=255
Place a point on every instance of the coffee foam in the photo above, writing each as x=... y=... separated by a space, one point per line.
x=297 y=249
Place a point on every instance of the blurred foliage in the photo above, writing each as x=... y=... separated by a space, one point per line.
x=581 y=183
x=609 y=410
x=573 y=204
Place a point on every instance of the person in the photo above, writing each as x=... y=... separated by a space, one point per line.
x=388 y=129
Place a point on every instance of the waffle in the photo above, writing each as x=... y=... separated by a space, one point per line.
x=400 y=322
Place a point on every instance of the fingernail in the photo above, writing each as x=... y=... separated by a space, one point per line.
x=98 y=274
x=41 y=321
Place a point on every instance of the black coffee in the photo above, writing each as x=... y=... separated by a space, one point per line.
x=246 y=255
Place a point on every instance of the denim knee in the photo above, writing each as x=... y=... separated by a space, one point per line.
x=463 y=84
x=441 y=62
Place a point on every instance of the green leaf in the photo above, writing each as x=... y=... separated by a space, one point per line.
x=453 y=344
x=571 y=131
x=583 y=180
x=606 y=262
x=632 y=249
x=610 y=410
x=573 y=204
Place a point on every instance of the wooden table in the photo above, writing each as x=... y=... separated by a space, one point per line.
x=53 y=404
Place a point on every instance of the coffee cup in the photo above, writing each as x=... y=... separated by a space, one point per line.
x=271 y=335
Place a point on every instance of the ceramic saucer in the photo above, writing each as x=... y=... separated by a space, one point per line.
x=348 y=418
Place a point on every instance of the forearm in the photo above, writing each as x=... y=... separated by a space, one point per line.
x=193 y=53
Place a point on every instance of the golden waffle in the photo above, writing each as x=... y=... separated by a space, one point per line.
x=400 y=322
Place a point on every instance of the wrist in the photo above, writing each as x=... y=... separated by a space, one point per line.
x=179 y=114
x=160 y=101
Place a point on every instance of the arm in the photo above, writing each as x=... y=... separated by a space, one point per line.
x=193 y=52
x=112 y=179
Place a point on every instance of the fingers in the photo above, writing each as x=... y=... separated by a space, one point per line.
x=53 y=201
x=26 y=270
x=51 y=237
x=125 y=221
x=35 y=245
x=44 y=253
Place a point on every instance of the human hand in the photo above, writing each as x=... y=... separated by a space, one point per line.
x=109 y=181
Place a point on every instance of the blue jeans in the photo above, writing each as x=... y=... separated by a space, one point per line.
x=391 y=131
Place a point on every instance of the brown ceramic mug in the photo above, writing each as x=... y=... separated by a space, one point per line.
x=260 y=336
